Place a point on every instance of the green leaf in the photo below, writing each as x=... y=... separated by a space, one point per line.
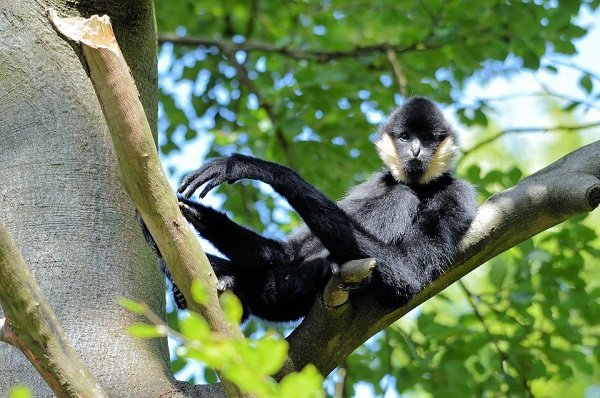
x=232 y=307
x=178 y=364
x=195 y=327
x=586 y=83
x=199 y=293
x=306 y=383
x=270 y=355
x=210 y=376
x=20 y=392
x=138 y=308
x=145 y=331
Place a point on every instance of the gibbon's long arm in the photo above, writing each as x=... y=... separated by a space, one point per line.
x=409 y=217
x=226 y=236
x=330 y=224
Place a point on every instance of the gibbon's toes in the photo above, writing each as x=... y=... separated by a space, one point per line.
x=225 y=282
x=349 y=286
x=335 y=268
x=179 y=299
x=186 y=210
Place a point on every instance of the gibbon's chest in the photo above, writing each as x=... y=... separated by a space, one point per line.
x=384 y=210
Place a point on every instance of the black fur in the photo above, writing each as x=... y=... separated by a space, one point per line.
x=409 y=217
x=162 y=265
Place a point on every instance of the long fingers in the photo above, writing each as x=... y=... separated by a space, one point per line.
x=196 y=179
x=215 y=172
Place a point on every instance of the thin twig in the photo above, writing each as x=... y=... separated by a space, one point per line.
x=397 y=68
x=504 y=357
x=521 y=130
x=245 y=79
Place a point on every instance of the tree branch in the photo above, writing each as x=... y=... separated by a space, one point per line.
x=521 y=130
x=398 y=73
x=321 y=56
x=139 y=167
x=564 y=189
x=558 y=60
x=31 y=326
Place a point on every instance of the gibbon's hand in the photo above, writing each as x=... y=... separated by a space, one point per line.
x=215 y=172
x=237 y=167
x=197 y=213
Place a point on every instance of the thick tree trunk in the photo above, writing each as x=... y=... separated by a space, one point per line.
x=62 y=203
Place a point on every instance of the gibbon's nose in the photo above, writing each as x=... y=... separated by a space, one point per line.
x=415 y=148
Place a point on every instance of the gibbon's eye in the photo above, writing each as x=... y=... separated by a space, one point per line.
x=403 y=136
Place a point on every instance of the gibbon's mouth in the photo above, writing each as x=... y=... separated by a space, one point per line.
x=414 y=168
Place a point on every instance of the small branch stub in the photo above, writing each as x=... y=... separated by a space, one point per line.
x=593 y=196
x=95 y=31
x=350 y=276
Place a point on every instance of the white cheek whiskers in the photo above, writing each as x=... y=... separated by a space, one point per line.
x=386 y=148
x=442 y=160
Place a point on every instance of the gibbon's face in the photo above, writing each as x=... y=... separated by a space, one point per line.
x=417 y=144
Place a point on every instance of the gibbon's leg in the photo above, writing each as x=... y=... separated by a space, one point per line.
x=162 y=265
x=332 y=226
x=245 y=248
x=284 y=293
x=222 y=267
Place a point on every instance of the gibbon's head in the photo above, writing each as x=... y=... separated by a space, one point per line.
x=417 y=144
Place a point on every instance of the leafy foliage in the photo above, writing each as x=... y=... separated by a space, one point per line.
x=304 y=83
x=20 y=392
x=245 y=362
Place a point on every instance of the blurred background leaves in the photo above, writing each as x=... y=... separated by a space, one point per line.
x=305 y=83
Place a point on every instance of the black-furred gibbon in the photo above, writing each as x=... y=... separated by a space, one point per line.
x=409 y=217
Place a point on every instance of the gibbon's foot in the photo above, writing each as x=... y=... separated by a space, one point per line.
x=188 y=211
x=225 y=282
x=350 y=286
x=335 y=268
x=356 y=274
x=178 y=297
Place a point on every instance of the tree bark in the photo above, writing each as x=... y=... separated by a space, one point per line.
x=62 y=203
